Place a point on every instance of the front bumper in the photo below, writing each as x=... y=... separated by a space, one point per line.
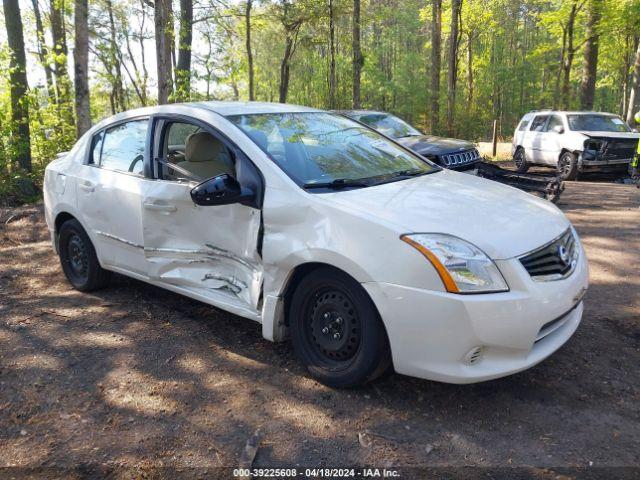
x=598 y=164
x=432 y=333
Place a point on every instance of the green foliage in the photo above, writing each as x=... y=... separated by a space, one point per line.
x=509 y=62
x=50 y=134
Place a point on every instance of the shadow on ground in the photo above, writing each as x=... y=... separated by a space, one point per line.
x=136 y=376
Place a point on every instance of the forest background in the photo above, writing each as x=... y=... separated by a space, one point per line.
x=450 y=67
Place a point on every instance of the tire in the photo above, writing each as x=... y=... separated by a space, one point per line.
x=568 y=166
x=336 y=330
x=78 y=258
x=520 y=160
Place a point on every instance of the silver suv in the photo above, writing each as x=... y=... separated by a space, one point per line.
x=573 y=142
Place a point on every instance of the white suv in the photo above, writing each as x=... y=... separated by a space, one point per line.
x=573 y=142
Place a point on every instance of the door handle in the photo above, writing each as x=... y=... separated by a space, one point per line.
x=87 y=187
x=156 y=207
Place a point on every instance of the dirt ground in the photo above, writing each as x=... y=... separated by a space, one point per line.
x=135 y=381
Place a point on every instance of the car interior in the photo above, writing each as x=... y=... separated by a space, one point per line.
x=196 y=152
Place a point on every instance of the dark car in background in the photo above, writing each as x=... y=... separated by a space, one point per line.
x=446 y=152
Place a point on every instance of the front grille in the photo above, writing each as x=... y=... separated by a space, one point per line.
x=553 y=261
x=461 y=158
x=620 y=148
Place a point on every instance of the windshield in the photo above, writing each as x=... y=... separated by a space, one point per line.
x=389 y=125
x=597 y=123
x=319 y=147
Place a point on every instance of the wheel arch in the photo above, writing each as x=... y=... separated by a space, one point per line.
x=59 y=220
x=303 y=270
x=564 y=150
x=62 y=217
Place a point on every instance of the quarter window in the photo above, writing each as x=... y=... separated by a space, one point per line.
x=96 y=145
x=122 y=147
x=523 y=125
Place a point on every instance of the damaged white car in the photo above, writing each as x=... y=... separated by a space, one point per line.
x=366 y=255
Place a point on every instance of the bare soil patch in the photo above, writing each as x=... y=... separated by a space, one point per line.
x=135 y=377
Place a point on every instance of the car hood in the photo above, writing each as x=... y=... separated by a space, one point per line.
x=432 y=145
x=503 y=221
x=624 y=135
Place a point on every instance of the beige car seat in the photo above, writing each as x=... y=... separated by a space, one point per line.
x=206 y=156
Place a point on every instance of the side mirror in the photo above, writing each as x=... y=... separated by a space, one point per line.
x=221 y=190
x=558 y=129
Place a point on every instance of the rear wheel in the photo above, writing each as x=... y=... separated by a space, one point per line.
x=520 y=160
x=78 y=258
x=568 y=166
x=336 y=330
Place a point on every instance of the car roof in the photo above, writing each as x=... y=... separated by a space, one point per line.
x=219 y=107
x=241 y=108
x=357 y=113
x=567 y=112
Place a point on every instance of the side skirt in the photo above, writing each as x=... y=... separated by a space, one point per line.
x=221 y=301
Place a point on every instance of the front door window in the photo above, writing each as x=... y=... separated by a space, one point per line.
x=210 y=251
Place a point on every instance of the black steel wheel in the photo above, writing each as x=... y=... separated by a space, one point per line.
x=336 y=330
x=334 y=326
x=520 y=159
x=568 y=166
x=78 y=258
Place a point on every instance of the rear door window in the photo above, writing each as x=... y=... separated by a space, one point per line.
x=123 y=147
x=538 y=123
x=554 y=121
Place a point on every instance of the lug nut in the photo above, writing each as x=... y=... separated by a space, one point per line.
x=325 y=330
x=339 y=320
x=326 y=316
x=336 y=336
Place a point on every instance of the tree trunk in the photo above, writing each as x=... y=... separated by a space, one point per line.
x=358 y=59
x=247 y=19
x=285 y=69
x=634 y=95
x=452 y=71
x=183 y=65
x=141 y=38
x=590 y=66
x=81 y=66
x=470 y=70
x=115 y=60
x=556 y=90
x=568 y=57
x=43 y=51
x=436 y=62
x=19 y=86
x=59 y=37
x=332 y=57
x=163 y=26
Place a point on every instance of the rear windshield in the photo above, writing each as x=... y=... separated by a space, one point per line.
x=389 y=125
x=597 y=123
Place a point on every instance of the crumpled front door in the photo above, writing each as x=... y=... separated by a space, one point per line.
x=210 y=250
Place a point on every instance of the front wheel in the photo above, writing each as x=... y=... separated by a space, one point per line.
x=336 y=330
x=568 y=166
x=78 y=258
x=520 y=159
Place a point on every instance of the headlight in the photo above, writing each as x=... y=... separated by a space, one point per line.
x=463 y=267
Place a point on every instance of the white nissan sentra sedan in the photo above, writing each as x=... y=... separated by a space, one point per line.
x=364 y=254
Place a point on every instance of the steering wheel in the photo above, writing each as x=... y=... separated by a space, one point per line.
x=138 y=158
